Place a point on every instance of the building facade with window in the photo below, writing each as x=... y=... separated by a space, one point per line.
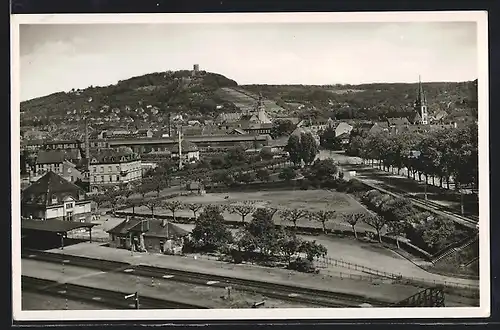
x=111 y=167
x=53 y=197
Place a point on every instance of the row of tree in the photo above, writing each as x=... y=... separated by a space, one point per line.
x=445 y=153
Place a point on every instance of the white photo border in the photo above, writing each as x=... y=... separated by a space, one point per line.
x=480 y=17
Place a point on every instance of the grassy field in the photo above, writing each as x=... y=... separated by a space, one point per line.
x=310 y=200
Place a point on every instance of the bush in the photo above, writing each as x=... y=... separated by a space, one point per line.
x=305 y=184
x=303 y=265
x=354 y=186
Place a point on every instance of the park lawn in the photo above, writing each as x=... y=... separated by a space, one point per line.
x=310 y=200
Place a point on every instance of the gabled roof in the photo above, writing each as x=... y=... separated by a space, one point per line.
x=150 y=228
x=48 y=186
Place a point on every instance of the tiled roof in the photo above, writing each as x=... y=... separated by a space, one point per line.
x=110 y=155
x=150 y=227
x=48 y=186
x=50 y=156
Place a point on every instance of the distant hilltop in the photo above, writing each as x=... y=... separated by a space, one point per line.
x=174 y=91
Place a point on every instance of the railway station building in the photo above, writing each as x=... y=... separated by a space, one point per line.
x=151 y=235
x=54 y=198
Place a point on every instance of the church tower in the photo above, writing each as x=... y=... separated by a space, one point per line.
x=421 y=104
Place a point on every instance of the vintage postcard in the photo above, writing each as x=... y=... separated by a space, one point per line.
x=250 y=166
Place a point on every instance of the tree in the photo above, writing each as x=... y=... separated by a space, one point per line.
x=377 y=223
x=152 y=204
x=329 y=140
x=158 y=185
x=312 y=250
x=282 y=128
x=289 y=244
x=397 y=228
x=210 y=232
x=352 y=219
x=245 y=177
x=99 y=201
x=236 y=156
x=323 y=170
x=287 y=174
x=437 y=232
x=323 y=217
x=266 y=153
x=261 y=232
x=242 y=209
x=293 y=147
x=308 y=148
x=293 y=215
x=263 y=174
x=144 y=189
x=194 y=207
x=173 y=206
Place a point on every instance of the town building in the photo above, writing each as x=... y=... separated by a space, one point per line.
x=189 y=152
x=53 y=197
x=151 y=235
x=343 y=128
x=59 y=161
x=111 y=167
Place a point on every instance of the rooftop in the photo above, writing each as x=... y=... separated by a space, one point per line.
x=51 y=185
x=54 y=226
x=150 y=228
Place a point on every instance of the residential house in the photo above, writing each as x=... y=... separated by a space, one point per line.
x=300 y=130
x=342 y=128
x=111 y=167
x=53 y=197
x=151 y=235
x=58 y=161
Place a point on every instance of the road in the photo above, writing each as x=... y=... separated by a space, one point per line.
x=439 y=201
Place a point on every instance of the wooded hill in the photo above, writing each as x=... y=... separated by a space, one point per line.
x=372 y=101
x=177 y=92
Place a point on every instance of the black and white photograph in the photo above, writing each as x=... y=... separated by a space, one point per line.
x=250 y=166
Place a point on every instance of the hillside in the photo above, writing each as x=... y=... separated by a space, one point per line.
x=246 y=100
x=371 y=101
x=145 y=98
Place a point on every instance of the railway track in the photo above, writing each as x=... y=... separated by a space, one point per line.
x=107 y=298
x=282 y=292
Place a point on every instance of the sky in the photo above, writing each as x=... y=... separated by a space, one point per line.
x=59 y=57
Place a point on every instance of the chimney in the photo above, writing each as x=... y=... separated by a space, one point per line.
x=127 y=219
x=164 y=223
x=87 y=144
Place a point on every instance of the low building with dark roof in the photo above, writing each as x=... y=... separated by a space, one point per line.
x=53 y=197
x=151 y=235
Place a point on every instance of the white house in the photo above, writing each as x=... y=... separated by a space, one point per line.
x=53 y=197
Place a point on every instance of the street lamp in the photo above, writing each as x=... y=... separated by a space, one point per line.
x=134 y=295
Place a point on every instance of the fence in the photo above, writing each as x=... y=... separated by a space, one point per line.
x=327 y=261
x=373 y=274
x=87 y=237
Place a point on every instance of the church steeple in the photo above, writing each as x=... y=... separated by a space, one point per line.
x=421 y=104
